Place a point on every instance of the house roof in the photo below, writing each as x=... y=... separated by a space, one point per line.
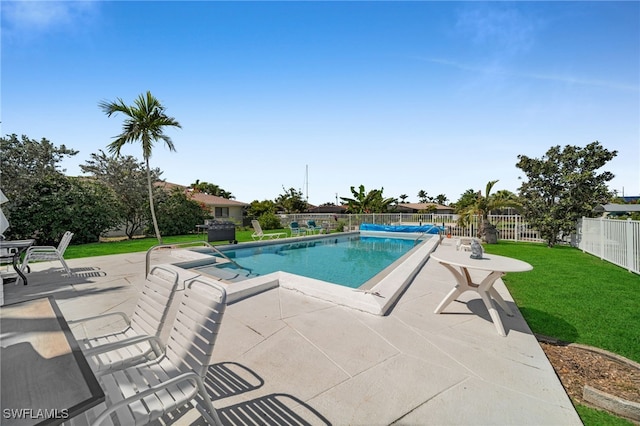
x=422 y=206
x=211 y=200
x=617 y=208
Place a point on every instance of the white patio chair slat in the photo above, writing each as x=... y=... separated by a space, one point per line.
x=148 y=319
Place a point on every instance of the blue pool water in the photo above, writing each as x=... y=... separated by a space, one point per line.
x=346 y=260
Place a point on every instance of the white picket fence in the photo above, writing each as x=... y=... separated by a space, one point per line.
x=616 y=241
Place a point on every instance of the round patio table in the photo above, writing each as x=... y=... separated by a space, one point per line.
x=459 y=263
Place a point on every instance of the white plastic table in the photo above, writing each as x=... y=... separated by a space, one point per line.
x=459 y=263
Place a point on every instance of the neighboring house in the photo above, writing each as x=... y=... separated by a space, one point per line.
x=423 y=207
x=220 y=208
x=617 y=209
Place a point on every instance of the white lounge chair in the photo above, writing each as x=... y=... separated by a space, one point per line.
x=148 y=318
x=48 y=253
x=144 y=393
x=259 y=235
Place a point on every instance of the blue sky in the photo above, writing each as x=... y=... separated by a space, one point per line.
x=409 y=96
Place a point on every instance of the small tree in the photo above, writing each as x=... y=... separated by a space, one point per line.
x=367 y=202
x=563 y=186
x=482 y=206
x=177 y=213
x=127 y=178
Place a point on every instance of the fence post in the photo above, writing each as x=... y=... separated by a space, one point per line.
x=629 y=234
x=601 y=237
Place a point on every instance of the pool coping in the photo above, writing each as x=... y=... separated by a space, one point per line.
x=377 y=300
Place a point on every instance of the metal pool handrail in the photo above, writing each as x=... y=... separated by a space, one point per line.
x=424 y=233
x=159 y=246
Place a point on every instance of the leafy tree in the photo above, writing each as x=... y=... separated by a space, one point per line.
x=367 y=202
x=291 y=201
x=211 y=189
x=127 y=178
x=25 y=161
x=258 y=208
x=563 y=186
x=482 y=206
x=403 y=197
x=177 y=213
x=57 y=203
x=422 y=196
x=145 y=123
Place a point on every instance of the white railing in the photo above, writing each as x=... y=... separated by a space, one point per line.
x=616 y=241
x=510 y=227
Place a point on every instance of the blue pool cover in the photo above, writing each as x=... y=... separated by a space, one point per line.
x=428 y=229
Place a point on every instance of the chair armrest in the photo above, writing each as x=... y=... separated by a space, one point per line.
x=97 y=317
x=155 y=343
x=40 y=248
x=185 y=377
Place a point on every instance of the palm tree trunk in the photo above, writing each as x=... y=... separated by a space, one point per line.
x=151 y=206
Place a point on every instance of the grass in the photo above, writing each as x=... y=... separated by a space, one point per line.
x=144 y=244
x=576 y=297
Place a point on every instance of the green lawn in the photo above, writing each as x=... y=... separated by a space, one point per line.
x=576 y=297
x=143 y=244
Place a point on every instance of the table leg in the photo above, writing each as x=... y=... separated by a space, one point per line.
x=450 y=298
x=496 y=296
x=462 y=284
x=495 y=316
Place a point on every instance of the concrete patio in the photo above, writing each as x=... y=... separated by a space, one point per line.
x=286 y=358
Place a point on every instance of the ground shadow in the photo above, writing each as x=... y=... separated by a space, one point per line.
x=227 y=379
x=530 y=319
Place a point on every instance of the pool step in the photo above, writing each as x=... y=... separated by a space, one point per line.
x=230 y=274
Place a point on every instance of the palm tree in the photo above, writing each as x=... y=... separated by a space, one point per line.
x=145 y=122
x=483 y=205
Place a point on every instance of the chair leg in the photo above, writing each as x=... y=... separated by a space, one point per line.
x=64 y=264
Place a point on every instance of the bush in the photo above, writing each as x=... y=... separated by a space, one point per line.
x=269 y=221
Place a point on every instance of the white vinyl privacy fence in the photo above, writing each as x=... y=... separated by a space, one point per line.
x=616 y=241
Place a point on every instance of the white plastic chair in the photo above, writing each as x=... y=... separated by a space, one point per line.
x=144 y=393
x=48 y=253
x=105 y=352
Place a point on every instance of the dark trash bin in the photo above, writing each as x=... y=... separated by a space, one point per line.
x=220 y=231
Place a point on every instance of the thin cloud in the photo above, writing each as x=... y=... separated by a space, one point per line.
x=536 y=76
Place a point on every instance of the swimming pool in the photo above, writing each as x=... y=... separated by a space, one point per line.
x=376 y=296
x=349 y=260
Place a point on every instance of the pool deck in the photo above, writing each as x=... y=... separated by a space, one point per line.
x=283 y=355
